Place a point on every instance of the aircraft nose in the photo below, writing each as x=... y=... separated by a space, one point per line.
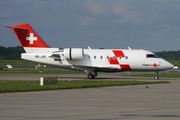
x=169 y=65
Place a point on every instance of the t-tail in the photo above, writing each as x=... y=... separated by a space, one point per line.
x=28 y=38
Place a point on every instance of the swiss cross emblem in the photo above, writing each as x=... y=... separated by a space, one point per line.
x=31 y=38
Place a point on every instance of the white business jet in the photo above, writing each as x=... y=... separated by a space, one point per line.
x=88 y=60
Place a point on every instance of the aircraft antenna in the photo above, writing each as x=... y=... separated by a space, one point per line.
x=129 y=48
x=88 y=47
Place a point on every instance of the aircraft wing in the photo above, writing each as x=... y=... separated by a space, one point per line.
x=96 y=68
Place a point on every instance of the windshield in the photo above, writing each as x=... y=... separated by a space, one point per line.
x=152 y=56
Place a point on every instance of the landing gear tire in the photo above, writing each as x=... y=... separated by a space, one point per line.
x=156 y=77
x=90 y=76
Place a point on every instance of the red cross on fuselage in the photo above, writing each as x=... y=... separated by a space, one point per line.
x=155 y=65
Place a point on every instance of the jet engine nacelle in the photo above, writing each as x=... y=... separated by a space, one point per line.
x=73 y=53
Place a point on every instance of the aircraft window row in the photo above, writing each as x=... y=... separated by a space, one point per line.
x=101 y=57
x=152 y=56
x=114 y=57
x=120 y=57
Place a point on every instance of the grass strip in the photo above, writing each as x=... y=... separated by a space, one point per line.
x=58 y=71
x=21 y=86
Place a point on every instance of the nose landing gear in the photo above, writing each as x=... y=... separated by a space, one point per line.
x=156 y=77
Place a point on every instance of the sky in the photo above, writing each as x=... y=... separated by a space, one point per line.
x=113 y=24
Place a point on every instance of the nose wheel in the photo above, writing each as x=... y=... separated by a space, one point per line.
x=156 y=77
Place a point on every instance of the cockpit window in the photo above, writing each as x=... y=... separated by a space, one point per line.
x=152 y=56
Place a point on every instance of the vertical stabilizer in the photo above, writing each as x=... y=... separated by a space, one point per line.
x=28 y=38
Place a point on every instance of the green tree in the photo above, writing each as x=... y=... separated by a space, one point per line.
x=11 y=52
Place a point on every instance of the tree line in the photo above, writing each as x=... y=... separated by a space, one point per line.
x=11 y=53
x=169 y=55
x=14 y=53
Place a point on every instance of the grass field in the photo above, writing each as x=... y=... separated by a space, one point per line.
x=22 y=86
x=175 y=62
x=37 y=71
x=62 y=71
x=27 y=67
x=17 y=64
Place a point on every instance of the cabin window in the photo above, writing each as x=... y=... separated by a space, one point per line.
x=120 y=57
x=94 y=57
x=101 y=57
x=107 y=57
x=126 y=57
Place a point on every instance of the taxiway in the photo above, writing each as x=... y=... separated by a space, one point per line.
x=141 y=102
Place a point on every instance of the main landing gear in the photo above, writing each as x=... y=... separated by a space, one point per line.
x=156 y=77
x=92 y=75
